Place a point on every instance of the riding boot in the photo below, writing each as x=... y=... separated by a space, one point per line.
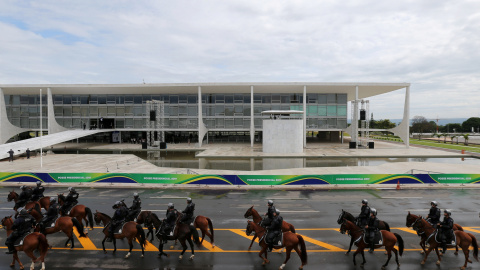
x=11 y=248
x=270 y=247
x=444 y=247
x=110 y=237
x=372 y=246
x=165 y=238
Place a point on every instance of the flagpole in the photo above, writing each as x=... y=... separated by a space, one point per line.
x=41 y=131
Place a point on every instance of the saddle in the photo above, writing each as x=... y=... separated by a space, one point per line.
x=170 y=233
x=19 y=241
x=377 y=239
x=277 y=240
x=51 y=224
x=119 y=229
x=451 y=239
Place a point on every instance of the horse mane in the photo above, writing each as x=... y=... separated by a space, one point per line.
x=104 y=215
x=155 y=216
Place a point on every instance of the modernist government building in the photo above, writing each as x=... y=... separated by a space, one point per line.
x=221 y=112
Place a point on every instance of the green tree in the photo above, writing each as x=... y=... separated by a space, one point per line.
x=453 y=138
x=450 y=127
x=472 y=122
x=465 y=136
x=438 y=135
x=444 y=135
x=420 y=125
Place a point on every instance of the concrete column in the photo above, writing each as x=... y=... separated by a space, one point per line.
x=252 y=123
x=202 y=129
x=304 y=116
x=53 y=126
x=403 y=129
x=355 y=117
x=7 y=129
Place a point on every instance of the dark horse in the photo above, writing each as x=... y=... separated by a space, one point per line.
x=79 y=211
x=286 y=227
x=464 y=240
x=13 y=196
x=411 y=218
x=32 y=242
x=130 y=231
x=389 y=241
x=64 y=224
x=382 y=225
x=182 y=232
x=290 y=241
x=141 y=220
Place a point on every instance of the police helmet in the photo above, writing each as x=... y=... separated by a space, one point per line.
x=39 y=183
x=448 y=212
x=364 y=201
x=277 y=211
x=373 y=211
x=71 y=189
x=170 y=206
x=23 y=212
x=434 y=203
x=135 y=195
x=189 y=200
x=23 y=187
x=270 y=202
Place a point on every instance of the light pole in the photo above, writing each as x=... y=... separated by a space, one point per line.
x=41 y=131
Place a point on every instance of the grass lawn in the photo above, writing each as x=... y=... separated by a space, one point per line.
x=448 y=145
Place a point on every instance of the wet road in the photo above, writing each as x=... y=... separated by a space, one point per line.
x=313 y=213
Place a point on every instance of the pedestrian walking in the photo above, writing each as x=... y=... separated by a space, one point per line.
x=10 y=157
x=28 y=153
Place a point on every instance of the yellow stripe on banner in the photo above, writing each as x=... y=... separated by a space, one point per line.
x=242 y=233
x=85 y=241
x=322 y=244
x=406 y=230
x=470 y=229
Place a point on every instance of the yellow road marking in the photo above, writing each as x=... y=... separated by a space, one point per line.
x=407 y=230
x=148 y=246
x=242 y=233
x=322 y=244
x=470 y=229
x=85 y=241
x=209 y=246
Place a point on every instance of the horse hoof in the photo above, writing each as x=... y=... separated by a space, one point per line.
x=463 y=267
x=422 y=263
x=346 y=253
x=105 y=252
x=180 y=257
x=128 y=255
x=470 y=261
x=249 y=248
x=437 y=263
x=456 y=253
x=191 y=257
x=141 y=256
x=422 y=252
x=22 y=267
x=383 y=267
x=213 y=245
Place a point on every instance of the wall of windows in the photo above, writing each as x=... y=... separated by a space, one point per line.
x=219 y=111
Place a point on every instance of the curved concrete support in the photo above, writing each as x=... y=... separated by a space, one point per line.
x=202 y=129
x=403 y=129
x=7 y=129
x=53 y=126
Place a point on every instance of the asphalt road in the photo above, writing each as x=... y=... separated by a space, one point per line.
x=313 y=213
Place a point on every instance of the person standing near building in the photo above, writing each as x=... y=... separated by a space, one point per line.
x=28 y=153
x=10 y=157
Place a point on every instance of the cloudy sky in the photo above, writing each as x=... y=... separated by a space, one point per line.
x=434 y=45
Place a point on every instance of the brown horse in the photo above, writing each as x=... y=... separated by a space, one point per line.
x=290 y=241
x=13 y=196
x=411 y=218
x=389 y=241
x=64 y=224
x=183 y=232
x=464 y=240
x=141 y=220
x=131 y=230
x=32 y=242
x=79 y=211
x=286 y=227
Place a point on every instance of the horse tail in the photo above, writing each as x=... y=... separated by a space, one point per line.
x=196 y=238
x=79 y=227
x=37 y=207
x=401 y=245
x=387 y=227
x=292 y=228
x=42 y=247
x=141 y=233
x=459 y=228
x=475 y=246
x=303 y=249
x=89 y=216
x=210 y=225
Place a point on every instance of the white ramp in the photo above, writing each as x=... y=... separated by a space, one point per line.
x=20 y=147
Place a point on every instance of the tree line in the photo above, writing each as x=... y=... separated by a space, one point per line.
x=421 y=125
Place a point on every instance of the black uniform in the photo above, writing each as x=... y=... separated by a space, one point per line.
x=274 y=229
x=169 y=223
x=434 y=216
x=268 y=220
x=21 y=226
x=446 y=231
x=23 y=198
x=10 y=155
x=364 y=216
x=70 y=201
x=135 y=209
x=188 y=213
x=118 y=218
x=372 y=228
x=49 y=217
x=37 y=193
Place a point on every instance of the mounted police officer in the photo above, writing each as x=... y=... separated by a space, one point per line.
x=118 y=218
x=446 y=229
x=50 y=216
x=362 y=218
x=169 y=221
x=23 y=198
x=274 y=229
x=136 y=207
x=434 y=215
x=372 y=228
x=188 y=212
x=269 y=215
x=70 y=201
x=21 y=226
x=37 y=192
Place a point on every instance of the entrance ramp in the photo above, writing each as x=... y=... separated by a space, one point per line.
x=19 y=147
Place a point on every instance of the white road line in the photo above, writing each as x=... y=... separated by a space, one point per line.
x=402 y=197
x=166 y=197
x=286 y=198
x=296 y=211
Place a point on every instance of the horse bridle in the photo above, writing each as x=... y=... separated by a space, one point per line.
x=415 y=227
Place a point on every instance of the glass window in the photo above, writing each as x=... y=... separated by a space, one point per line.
x=257 y=110
x=211 y=98
x=322 y=110
x=210 y=110
x=182 y=110
x=238 y=98
x=246 y=110
x=210 y=123
x=219 y=110
x=295 y=98
x=67 y=99
x=94 y=111
x=342 y=98
x=229 y=123
x=173 y=123
x=129 y=123
x=331 y=98
x=84 y=111
x=182 y=123
x=193 y=111
x=342 y=110
x=219 y=99
x=146 y=98
x=174 y=99
x=332 y=122
x=34 y=123
x=247 y=98
x=111 y=110
x=238 y=122
x=312 y=98
x=57 y=99
x=76 y=111
x=58 y=110
x=276 y=98
x=111 y=99
x=24 y=122
x=220 y=123
x=24 y=111
x=266 y=98
x=137 y=111
x=77 y=123
x=246 y=122
x=137 y=99
x=228 y=99
x=32 y=100
x=119 y=123
x=312 y=110
x=93 y=99
x=75 y=99
x=238 y=109
x=15 y=100
x=257 y=98
x=138 y=123
x=182 y=99
x=331 y=110
x=322 y=99
x=173 y=110
x=257 y=122
x=165 y=98
x=229 y=110
x=341 y=123
x=102 y=111
x=67 y=122
x=67 y=111
x=285 y=99
x=192 y=99
x=33 y=111
x=84 y=100
x=120 y=111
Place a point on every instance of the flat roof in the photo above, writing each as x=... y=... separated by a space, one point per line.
x=365 y=89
